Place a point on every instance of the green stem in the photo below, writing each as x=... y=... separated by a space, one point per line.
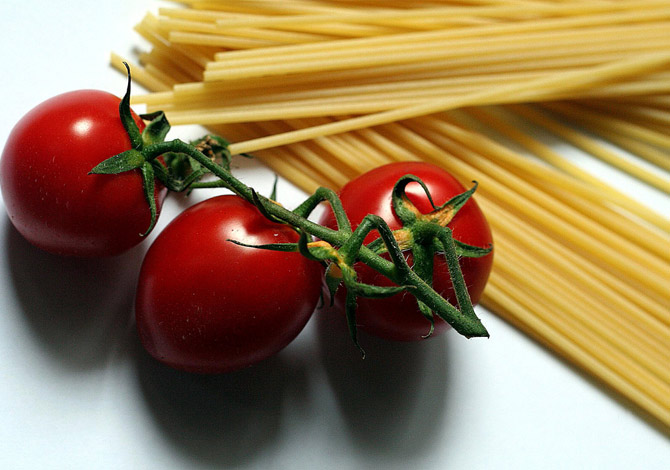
x=446 y=237
x=325 y=194
x=466 y=323
x=148 y=146
x=127 y=118
x=227 y=180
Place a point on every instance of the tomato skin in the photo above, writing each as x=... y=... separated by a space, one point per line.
x=398 y=318
x=207 y=305
x=49 y=195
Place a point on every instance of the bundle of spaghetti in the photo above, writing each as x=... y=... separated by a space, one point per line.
x=495 y=91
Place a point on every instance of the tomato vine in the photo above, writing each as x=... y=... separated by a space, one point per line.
x=181 y=166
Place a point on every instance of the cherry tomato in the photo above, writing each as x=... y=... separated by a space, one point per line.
x=207 y=305
x=49 y=195
x=398 y=318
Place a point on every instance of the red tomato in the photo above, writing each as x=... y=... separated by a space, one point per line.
x=207 y=305
x=49 y=195
x=398 y=317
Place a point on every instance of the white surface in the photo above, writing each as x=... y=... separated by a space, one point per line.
x=77 y=391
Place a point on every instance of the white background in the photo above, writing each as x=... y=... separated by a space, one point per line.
x=78 y=392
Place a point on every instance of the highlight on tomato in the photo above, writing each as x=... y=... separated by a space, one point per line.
x=207 y=304
x=398 y=317
x=49 y=195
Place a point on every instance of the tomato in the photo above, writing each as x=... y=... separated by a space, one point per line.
x=398 y=317
x=49 y=195
x=207 y=305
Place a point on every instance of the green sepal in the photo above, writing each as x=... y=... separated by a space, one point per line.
x=127 y=119
x=325 y=194
x=400 y=201
x=446 y=238
x=126 y=161
x=149 y=185
x=423 y=267
x=350 y=313
x=349 y=250
x=260 y=205
x=157 y=128
x=428 y=314
x=377 y=245
x=469 y=251
x=183 y=171
x=464 y=250
x=332 y=282
x=458 y=201
x=283 y=247
x=161 y=173
x=192 y=181
x=304 y=250
x=370 y=291
x=385 y=233
x=300 y=247
x=178 y=165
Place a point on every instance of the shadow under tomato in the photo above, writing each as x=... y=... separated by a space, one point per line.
x=222 y=420
x=394 y=399
x=77 y=309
